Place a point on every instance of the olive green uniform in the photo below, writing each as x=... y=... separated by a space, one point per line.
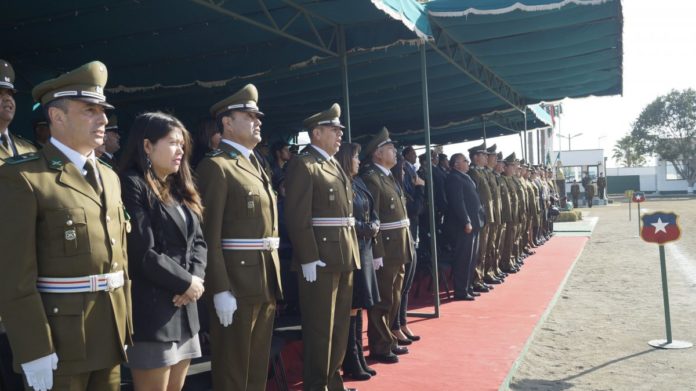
x=479 y=176
x=318 y=188
x=23 y=146
x=395 y=247
x=240 y=204
x=61 y=227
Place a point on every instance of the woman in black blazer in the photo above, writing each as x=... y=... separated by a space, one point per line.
x=166 y=251
x=365 y=289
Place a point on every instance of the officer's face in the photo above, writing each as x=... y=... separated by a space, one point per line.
x=166 y=153
x=328 y=138
x=491 y=160
x=387 y=155
x=244 y=128
x=7 y=106
x=81 y=127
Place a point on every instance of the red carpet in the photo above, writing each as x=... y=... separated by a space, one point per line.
x=473 y=345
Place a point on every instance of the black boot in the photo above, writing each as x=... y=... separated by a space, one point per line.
x=359 y=343
x=351 y=362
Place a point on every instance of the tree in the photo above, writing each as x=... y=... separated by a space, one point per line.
x=627 y=152
x=667 y=128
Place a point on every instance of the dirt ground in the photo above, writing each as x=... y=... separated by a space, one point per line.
x=596 y=336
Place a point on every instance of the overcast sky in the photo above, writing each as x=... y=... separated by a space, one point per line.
x=659 y=55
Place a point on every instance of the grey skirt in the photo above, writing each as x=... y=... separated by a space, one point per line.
x=151 y=355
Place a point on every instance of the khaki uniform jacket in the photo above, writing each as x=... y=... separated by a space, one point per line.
x=508 y=199
x=239 y=204
x=521 y=198
x=479 y=176
x=494 y=185
x=395 y=246
x=23 y=146
x=575 y=189
x=315 y=187
x=57 y=226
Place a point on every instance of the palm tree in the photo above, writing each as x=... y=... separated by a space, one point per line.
x=626 y=152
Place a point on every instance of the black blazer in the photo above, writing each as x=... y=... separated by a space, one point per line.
x=463 y=203
x=163 y=254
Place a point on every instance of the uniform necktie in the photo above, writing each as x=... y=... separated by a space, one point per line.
x=92 y=177
x=6 y=143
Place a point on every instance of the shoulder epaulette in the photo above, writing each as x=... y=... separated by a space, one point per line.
x=105 y=163
x=25 y=140
x=27 y=157
x=214 y=153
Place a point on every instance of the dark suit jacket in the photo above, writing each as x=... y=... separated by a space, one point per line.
x=164 y=253
x=463 y=204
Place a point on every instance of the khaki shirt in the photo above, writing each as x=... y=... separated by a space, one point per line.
x=239 y=204
x=495 y=193
x=317 y=187
x=60 y=227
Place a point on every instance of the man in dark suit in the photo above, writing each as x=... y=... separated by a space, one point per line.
x=464 y=219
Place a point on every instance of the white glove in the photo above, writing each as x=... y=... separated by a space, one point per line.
x=377 y=263
x=309 y=270
x=225 y=305
x=39 y=372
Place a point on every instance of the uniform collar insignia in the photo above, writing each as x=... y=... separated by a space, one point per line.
x=56 y=164
x=233 y=154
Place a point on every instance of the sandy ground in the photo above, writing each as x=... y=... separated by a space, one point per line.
x=595 y=337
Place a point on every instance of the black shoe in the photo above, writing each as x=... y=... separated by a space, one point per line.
x=351 y=362
x=475 y=294
x=399 y=350
x=413 y=338
x=466 y=297
x=404 y=342
x=491 y=280
x=481 y=288
x=390 y=358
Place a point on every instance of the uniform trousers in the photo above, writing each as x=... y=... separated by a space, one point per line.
x=325 y=305
x=482 y=253
x=107 y=379
x=507 y=256
x=240 y=351
x=380 y=317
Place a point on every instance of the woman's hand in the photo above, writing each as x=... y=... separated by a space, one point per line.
x=193 y=293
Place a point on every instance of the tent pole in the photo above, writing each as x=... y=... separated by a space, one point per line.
x=522 y=144
x=526 y=147
x=431 y=197
x=485 y=140
x=344 y=79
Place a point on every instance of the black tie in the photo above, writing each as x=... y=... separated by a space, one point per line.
x=92 y=177
x=7 y=145
x=255 y=162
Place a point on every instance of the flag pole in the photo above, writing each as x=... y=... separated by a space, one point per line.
x=668 y=343
x=638 y=204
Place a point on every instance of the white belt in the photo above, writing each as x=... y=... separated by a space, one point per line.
x=405 y=223
x=98 y=282
x=333 y=221
x=251 y=244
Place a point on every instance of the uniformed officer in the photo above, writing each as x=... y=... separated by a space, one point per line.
x=319 y=218
x=509 y=217
x=65 y=292
x=393 y=246
x=240 y=225
x=479 y=160
x=492 y=273
x=10 y=144
x=575 y=193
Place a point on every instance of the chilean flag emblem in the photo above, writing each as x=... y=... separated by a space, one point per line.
x=660 y=228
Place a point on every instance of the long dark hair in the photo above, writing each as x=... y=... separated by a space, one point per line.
x=345 y=155
x=154 y=126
